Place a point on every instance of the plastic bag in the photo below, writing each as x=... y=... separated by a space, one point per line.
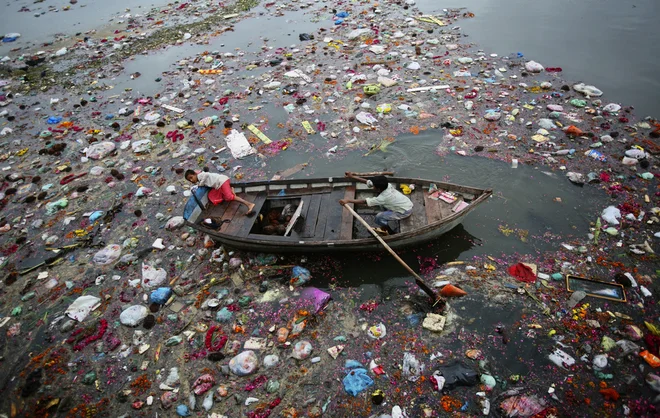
x=152 y=277
x=458 y=374
x=302 y=350
x=224 y=315
x=141 y=146
x=160 y=295
x=412 y=368
x=600 y=361
x=81 y=307
x=314 y=299
x=366 y=118
x=587 y=90
x=356 y=381
x=53 y=207
x=271 y=360
x=107 y=255
x=561 y=358
x=244 y=363
x=300 y=276
x=533 y=67
x=522 y=406
x=99 y=150
x=133 y=315
x=611 y=215
x=377 y=331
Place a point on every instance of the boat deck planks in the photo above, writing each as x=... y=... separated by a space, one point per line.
x=418 y=217
x=229 y=214
x=239 y=220
x=332 y=225
x=346 y=229
x=246 y=226
x=321 y=220
x=433 y=210
x=312 y=216
x=214 y=211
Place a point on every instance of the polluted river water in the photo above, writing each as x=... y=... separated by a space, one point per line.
x=98 y=321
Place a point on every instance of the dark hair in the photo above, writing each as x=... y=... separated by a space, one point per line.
x=380 y=182
x=189 y=173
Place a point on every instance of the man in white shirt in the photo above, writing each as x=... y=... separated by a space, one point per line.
x=221 y=190
x=397 y=205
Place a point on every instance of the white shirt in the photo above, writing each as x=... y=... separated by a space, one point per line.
x=212 y=180
x=391 y=199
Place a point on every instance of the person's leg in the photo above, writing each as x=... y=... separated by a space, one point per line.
x=228 y=195
x=382 y=220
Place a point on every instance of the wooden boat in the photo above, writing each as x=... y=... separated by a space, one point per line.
x=323 y=224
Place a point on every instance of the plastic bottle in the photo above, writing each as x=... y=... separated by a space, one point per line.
x=282 y=335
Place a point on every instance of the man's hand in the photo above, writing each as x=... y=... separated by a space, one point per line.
x=192 y=189
x=342 y=202
x=348 y=174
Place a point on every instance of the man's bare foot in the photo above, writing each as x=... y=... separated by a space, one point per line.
x=250 y=211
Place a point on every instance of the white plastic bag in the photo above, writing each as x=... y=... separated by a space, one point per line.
x=174 y=222
x=99 y=150
x=239 y=145
x=412 y=368
x=377 y=332
x=611 y=215
x=271 y=360
x=152 y=277
x=533 y=67
x=244 y=363
x=81 y=307
x=107 y=255
x=561 y=358
x=133 y=315
x=302 y=350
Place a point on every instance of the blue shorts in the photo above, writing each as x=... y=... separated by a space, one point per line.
x=383 y=218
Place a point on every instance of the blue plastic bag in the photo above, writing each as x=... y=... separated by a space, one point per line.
x=300 y=276
x=160 y=295
x=342 y=14
x=94 y=216
x=224 y=315
x=353 y=364
x=54 y=120
x=356 y=381
x=182 y=411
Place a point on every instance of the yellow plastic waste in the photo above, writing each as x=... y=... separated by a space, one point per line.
x=308 y=127
x=384 y=108
x=370 y=90
x=405 y=189
x=259 y=134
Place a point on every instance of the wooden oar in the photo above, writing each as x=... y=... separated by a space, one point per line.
x=375 y=173
x=418 y=279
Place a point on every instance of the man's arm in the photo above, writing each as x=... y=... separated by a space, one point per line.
x=357 y=202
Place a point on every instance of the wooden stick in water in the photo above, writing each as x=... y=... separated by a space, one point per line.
x=375 y=173
x=418 y=279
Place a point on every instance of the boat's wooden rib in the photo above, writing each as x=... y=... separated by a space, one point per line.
x=346 y=229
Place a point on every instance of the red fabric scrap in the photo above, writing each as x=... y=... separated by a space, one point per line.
x=522 y=273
